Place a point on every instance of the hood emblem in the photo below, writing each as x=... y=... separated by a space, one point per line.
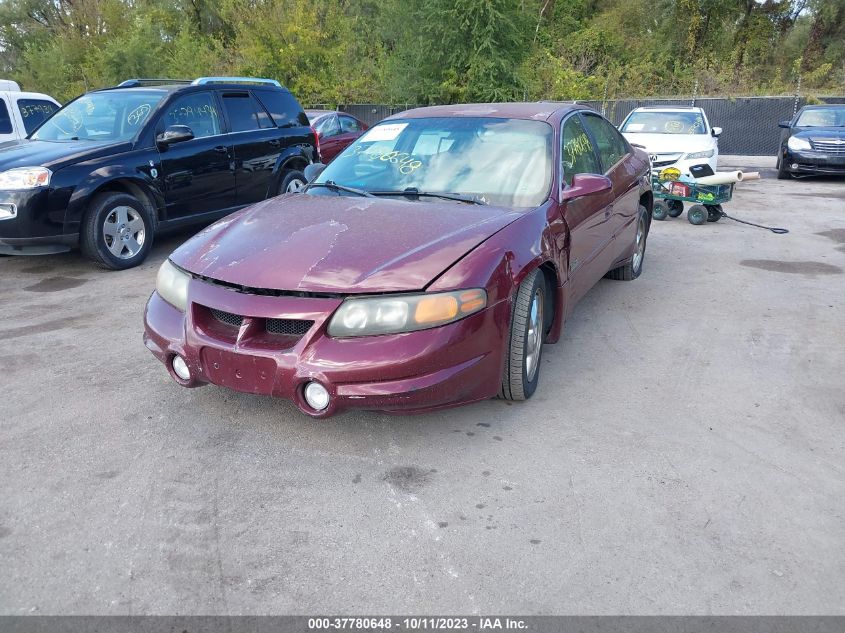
x=653 y=158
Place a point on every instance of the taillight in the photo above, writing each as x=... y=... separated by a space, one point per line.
x=317 y=143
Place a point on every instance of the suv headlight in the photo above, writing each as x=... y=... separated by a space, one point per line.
x=172 y=285
x=797 y=143
x=25 y=178
x=705 y=154
x=391 y=314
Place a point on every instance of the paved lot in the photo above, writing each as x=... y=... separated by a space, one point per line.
x=684 y=453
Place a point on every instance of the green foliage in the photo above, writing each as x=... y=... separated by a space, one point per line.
x=433 y=51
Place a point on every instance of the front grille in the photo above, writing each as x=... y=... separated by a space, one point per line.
x=829 y=147
x=235 y=320
x=288 y=327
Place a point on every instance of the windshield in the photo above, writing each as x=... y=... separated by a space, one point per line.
x=503 y=162
x=822 y=117
x=101 y=116
x=665 y=123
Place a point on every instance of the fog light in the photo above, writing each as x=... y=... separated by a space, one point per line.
x=317 y=396
x=794 y=165
x=180 y=367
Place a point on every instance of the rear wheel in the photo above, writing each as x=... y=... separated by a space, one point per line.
x=714 y=212
x=525 y=341
x=660 y=210
x=632 y=269
x=292 y=182
x=117 y=232
x=676 y=208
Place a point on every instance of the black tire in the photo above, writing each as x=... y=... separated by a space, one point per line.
x=660 y=211
x=697 y=214
x=518 y=380
x=633 y=268
x=106 y=214
x=291 y=178
x=714 y=212
x=676 y=208
x=783 y=174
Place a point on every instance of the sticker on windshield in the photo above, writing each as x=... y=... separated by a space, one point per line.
x=386 y=132
x=634 y=127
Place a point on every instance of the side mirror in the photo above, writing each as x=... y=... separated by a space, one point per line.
x=716 y=131
x=313 y=170
x=784 y=124
x=174 y=134
x=586 y=185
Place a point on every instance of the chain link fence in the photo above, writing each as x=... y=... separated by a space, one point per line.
x=749 y=124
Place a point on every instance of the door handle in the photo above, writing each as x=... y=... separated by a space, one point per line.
x=221 y=149
x=275 y=142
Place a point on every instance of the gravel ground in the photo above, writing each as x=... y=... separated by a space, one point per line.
x=684 y=453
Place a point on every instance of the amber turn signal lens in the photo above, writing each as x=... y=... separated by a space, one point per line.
x=436 y=309
x=472 y=300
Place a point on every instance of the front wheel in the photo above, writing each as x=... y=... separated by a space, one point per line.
x=632 y=269
x=660 y=211
x=697 y=214
x=783 y=173
x=525 y=340
x=117 y=232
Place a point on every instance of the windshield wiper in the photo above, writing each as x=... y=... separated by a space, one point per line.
x=413 y=192
x=333 y=186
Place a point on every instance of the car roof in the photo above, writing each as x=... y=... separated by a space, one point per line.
x=311 y=113
x=540 y=111
x=670 y=108
x=823 y=106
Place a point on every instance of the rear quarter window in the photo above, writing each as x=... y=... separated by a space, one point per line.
x=283 y=107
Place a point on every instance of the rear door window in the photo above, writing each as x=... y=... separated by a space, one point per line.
x=242 y=112
x=35 y=111
x=348 y=124
x=5 y=119
x=328 y=126
x=609 y=142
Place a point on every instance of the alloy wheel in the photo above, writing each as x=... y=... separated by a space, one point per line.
x=534 y=342
x=124 y=232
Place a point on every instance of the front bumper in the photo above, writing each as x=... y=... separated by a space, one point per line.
x=34 y=228
x=412 y=372
x=684 y=164
x=813 y=162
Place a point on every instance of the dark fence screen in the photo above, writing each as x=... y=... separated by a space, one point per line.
x=749 y=124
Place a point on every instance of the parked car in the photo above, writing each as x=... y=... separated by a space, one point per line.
x=22 y=112
x=424 y=268
x=116 y=166
x=336 y=130
x=677 y=137
x=812 y=143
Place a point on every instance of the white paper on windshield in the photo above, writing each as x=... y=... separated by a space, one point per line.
x=386 y=132
x=634 y=127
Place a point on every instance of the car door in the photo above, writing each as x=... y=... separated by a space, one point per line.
x=613 y=150
x=198 y=174
x=589 y=217
x=331 y=141
x=256 y=143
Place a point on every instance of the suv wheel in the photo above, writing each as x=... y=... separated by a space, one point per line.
x=117 y=232
x=293 y=182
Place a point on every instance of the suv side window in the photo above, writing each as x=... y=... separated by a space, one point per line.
x=242 y=112
x=610 y=144
x=198 y=111
x=35 y=111
x=282 y=106
x=5 y=119
x=348 y=124
x=577 y=153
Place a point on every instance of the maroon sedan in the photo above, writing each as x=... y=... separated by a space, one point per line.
x=424 y=268
x=335 y=130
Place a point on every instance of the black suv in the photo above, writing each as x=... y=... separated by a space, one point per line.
x=115 y=166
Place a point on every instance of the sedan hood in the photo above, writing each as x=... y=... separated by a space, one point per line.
x=672 y=143
x=340 y=244
x=52 y=154
x=820 y=133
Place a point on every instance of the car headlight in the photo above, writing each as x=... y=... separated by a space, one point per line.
x=797 y=143
x=172 y=285
x=706 y=154
x=391 y=314
x=25 y=178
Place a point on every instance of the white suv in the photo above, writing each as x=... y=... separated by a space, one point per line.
x=673 y=137
x=22 y=112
